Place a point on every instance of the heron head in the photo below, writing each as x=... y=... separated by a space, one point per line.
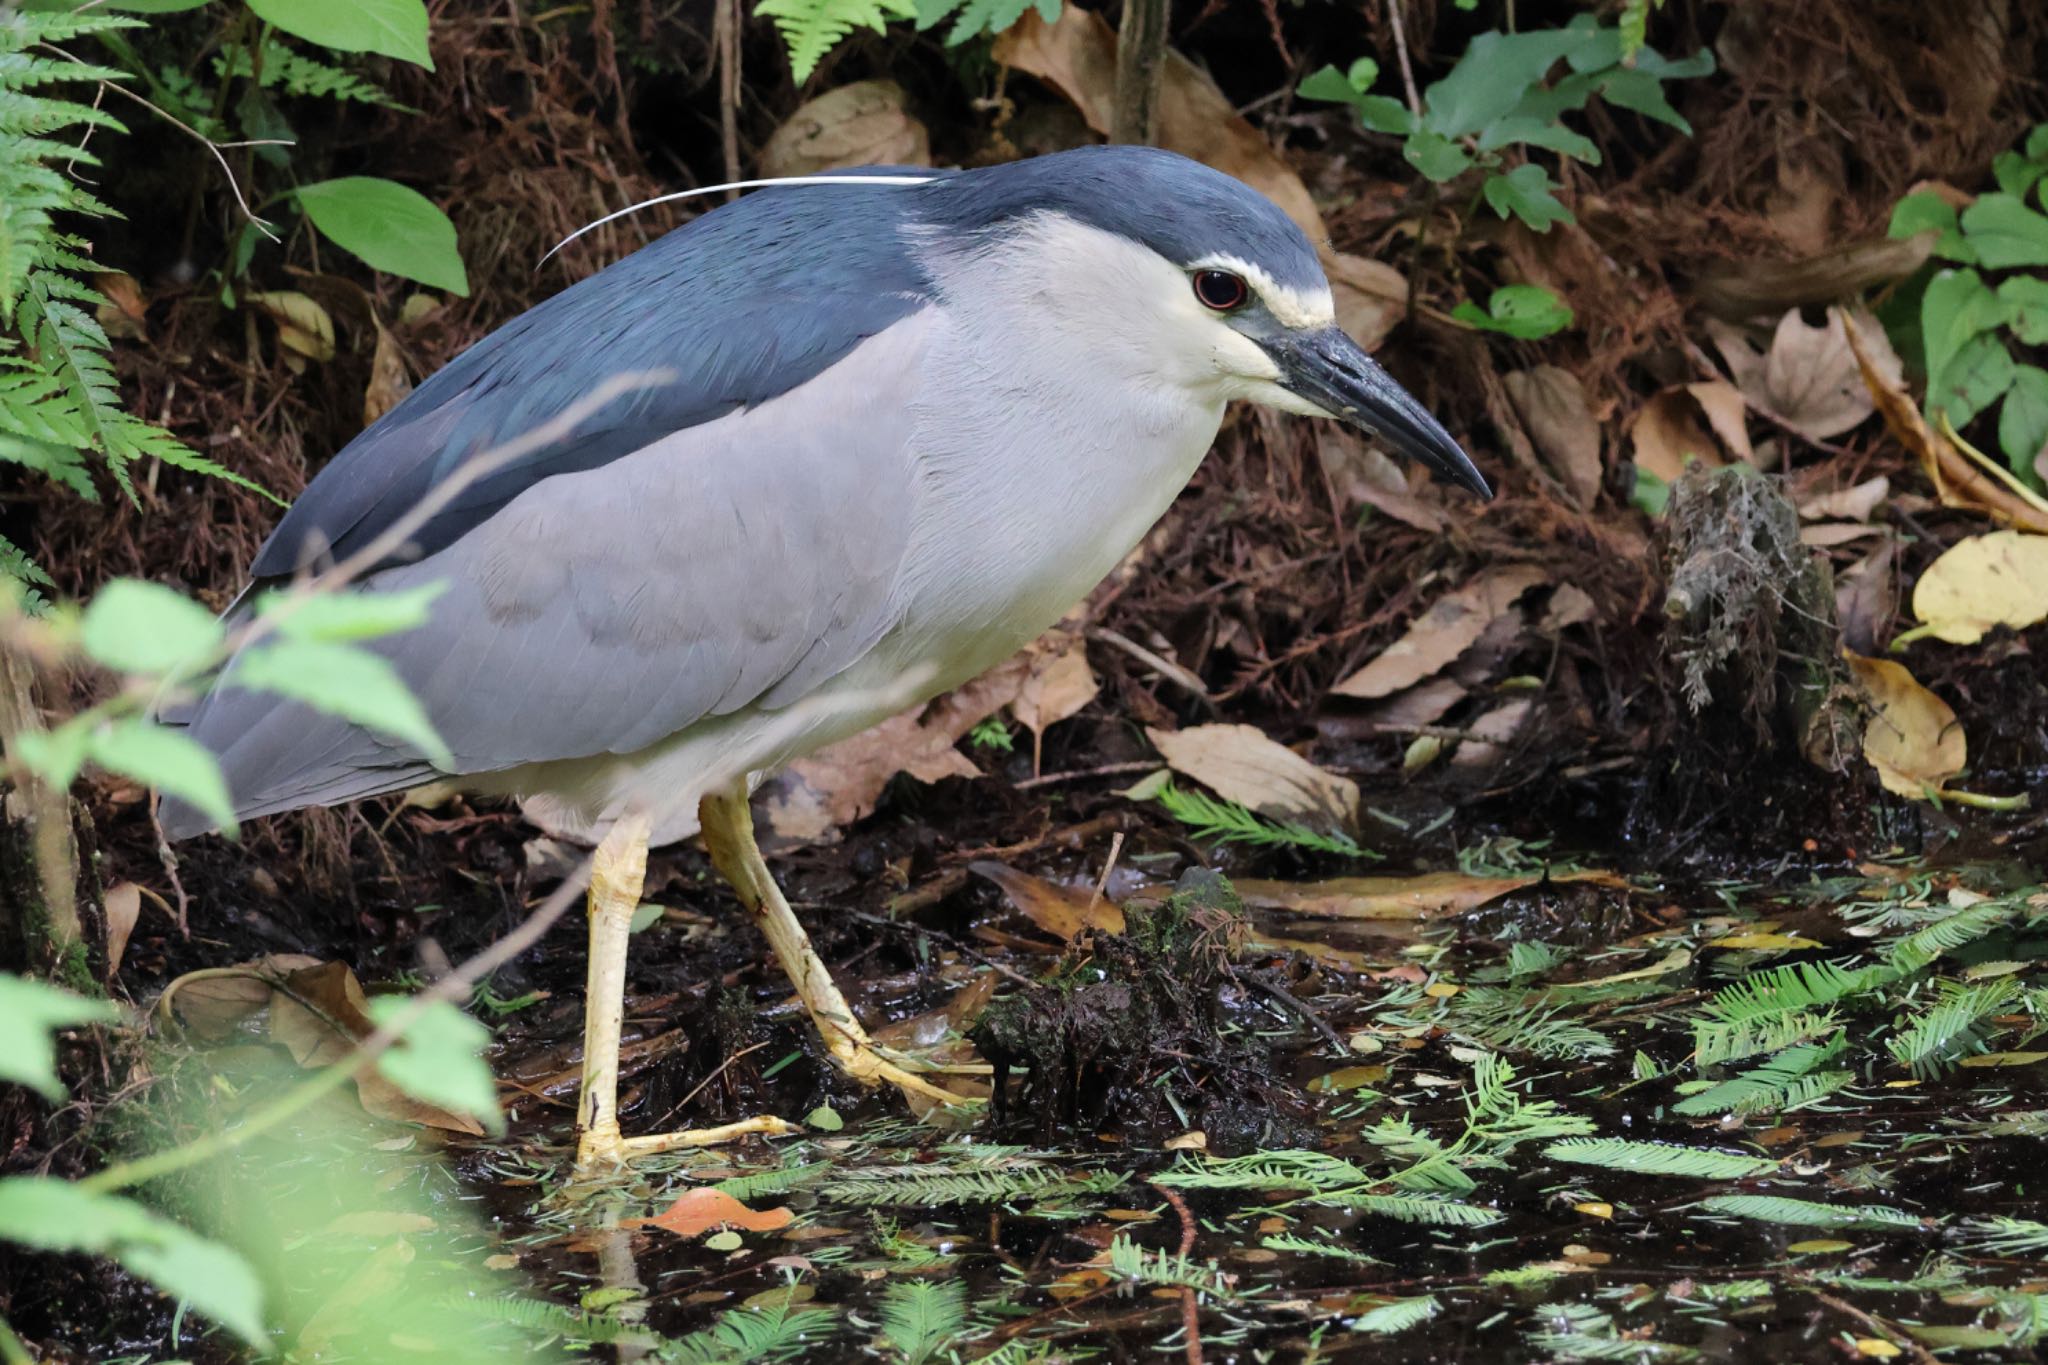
x=1191 y=273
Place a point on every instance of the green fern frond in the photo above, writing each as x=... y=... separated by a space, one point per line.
x=1717 y=1041
x=1787 y=1081
x=920 y=1318
x=1287 y=1169
x=878 y=1186
x=1499 y=1118
x=541 y=1318
x=303 y=77
x=1952 y=1028
x=1135 y=1265
x=1771 y=1208
x=749 y=1334
x=750 y=1187
x=1398 y=1316
x=1514 y=1021
x=1226 y=822
x=2002 y=1236
x=1423 y=1209
x=1793 y=987
x=1964 y=927
x=812 y=28
x=1315 y=1246
x=977 y=17
x=1659 y=1158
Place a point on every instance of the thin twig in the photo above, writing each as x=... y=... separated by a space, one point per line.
x=1877 y=1327
x=210 y=145
x=1190 y=1315
x=1401 y=55
x=1116 y=846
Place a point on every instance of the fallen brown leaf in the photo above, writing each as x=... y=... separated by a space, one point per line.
x=389 y=383
x=1552 y=405
x=1913 y=738
x=1058 y=685
x=1958 y=481
x=1061 y=911
x=1361 y=473
x=1701 y=421
x=704 y=1208
x=1442 y=633
x=1422 y=896
x=1808 y=379
x=1867 y=597
x=866 y=123
x=1241 y=764
x=123 y=904
x=1854 y=503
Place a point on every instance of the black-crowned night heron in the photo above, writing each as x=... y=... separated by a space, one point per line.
x=912 y=422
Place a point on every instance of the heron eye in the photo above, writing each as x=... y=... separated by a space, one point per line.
x=1221 y=290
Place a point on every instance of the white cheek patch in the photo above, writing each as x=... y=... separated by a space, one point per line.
x=1302 y=308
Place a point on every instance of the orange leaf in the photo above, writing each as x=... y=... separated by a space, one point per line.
x=704 y=1208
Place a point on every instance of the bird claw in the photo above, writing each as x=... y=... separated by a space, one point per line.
x=866 y=1063
x=603 y=1146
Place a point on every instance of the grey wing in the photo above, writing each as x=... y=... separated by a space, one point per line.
x=738 y=562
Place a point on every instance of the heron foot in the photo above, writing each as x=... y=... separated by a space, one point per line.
x=602 y=1146
x=856 y=1055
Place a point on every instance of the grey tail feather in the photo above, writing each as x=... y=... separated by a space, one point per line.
x=280 y=755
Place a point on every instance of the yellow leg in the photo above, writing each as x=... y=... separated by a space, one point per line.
x=728 y=826
x=617 y=870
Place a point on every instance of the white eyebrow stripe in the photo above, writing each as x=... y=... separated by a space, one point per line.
x=1303 y=308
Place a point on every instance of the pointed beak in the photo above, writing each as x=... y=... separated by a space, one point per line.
x=1332 y=371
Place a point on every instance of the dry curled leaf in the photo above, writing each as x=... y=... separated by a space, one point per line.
x=1913 y=738
x=1999 y=579
x=123 y=905
x=1451 y=625
x=866 y=123
x=1702 y=421
x=1958 y=481
x=1239 y=763
x=389 y=383
x=1061 y=911
x=1854 y=503
x=1552 y=405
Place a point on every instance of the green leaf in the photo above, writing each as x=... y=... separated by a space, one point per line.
x=1492 y=77
x=1436 y=156
x=2037 y=144
x=164 y=759
x=437 y=1060
x=1978 y=377
x=1659 y=1158
x=391 y=227
x=1922 y=212
x=1330 y=85
x=1384 y=114
x=2023 y=422
x=1643 y=92
x=138 y=627
x=812 y=28
x=1525 y=192
x=825 y=1119
x=29 y=1013
x=2015 y=174
x=396 y=28
x=1527 y=311
x=1956 y=307
x=342 y=681
x=2026 y=304
x=337 y=618
x=1539 y=132
x=2005 y=233
x=56 y=1215
x=1651 y=494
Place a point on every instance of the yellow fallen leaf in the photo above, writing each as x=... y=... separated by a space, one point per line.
x=1417 y=897
x=1764 y=941
x=1670 y=962
x=302 y=325
x=1595 y=1209
x=1913 y=738
x=1876 y=1348
x=2006 y=1059
x=1819 y=1245
x=2000 y=579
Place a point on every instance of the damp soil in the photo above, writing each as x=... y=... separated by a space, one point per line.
x=1030 y=1208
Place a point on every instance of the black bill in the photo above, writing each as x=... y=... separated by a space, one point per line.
x=1332 y=371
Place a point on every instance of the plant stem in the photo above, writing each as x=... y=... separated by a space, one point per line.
x=1140 y=62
